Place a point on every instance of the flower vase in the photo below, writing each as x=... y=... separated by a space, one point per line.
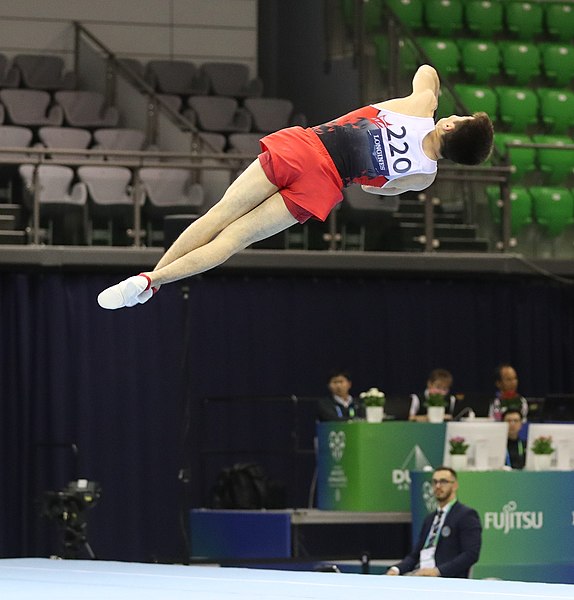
x=435 y=414
x=542 y=462
x=375 y=414
x=459 y=462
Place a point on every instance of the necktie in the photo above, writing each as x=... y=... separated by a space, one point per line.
x=434 y=529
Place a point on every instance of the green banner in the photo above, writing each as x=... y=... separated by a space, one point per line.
x=365 y=466
x=527 y=517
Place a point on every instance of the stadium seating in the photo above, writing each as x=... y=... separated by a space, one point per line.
x=520 y=61
x=66 y=138
x=9 y=74
x=557 y=109
x=272 y=114
x=119 y=139
x=44 y=72
x=553 y=208
x=478 y=98
x=178 y=77
x=31 y=108
x=480 y=60
x=560 y=20
x=13 y=136
x=86 y=109
x=520 y=207
x=518 y=107
x=410 y=12
x=443 y=54
x=443 y=17
x=232 y=79
x=484 y=18
x=523 y=160
x=555 y=165
x=220 y=114
x=524 y=19
x=558 y=63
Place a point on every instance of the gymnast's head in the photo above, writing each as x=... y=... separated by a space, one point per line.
x=466 y=140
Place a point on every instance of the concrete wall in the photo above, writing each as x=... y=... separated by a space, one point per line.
x=195 y=30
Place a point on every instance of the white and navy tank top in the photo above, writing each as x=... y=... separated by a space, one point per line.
x=371 y=146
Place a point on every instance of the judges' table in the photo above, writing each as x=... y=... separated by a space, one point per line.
x=527 y=519
x=365 y=466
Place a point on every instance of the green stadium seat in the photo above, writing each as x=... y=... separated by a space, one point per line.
x=558 y=63
x=557 y=109
x=553 y=208
x=555 y=165
x=372 y=11
x=443 y=17
x=523 y=160
x=480 y=60
x=446 y=104
x=524 y=19
x=520 y=207
x=560 y=20
x=381 y=43
x=478 y=98
x=410 y=12
x=520 y=61
x=484 y=17
x=518 y=107
x=408 y=57
x=443 y=54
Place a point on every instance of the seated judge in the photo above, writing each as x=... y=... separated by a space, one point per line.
x=507 y=395
x=516 y=447
x=340 y=404
x=439 y=381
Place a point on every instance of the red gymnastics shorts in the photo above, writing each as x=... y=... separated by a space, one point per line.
x=295 y=160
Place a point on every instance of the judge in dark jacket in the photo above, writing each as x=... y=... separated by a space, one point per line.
x=450 y=538
x=339 y=405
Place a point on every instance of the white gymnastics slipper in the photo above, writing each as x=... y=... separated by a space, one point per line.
x=126 y=293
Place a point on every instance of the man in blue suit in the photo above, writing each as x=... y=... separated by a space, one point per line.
x=450 y=539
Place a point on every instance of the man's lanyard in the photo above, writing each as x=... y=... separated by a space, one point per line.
x=339 y=410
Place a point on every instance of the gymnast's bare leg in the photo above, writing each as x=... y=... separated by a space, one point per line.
x=250 y=210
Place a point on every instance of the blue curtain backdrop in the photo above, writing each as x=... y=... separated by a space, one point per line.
x=126 y=386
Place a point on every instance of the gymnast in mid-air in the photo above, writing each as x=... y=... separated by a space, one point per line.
x=388 y=148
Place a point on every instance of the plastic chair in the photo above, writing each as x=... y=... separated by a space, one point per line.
x=443 y=17
x=86 y=109
x=518 y=107
x=44 y=72
x=557 y=109
x=410 y=12
x=119 y=139
x=177 y=77
x=31 y=108
x=556 y=165
x=558 y=64
x=520 y=61
x=559 y=19
x=446 y=104
x=9 y=74
x=478 y=98
x=14 y=136
x=480 y=60
x=232 y=79
x=483 y=17
x=110 y=199
x=62 y=204
x=169 y=192
x=443 y=54
x=520 y=207
x=553 y=208
x=65 y=138
x=219 y=114
x=523 y=160
x=524 y=19
x=272 y=114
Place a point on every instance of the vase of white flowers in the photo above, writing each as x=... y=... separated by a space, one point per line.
x=374 y=401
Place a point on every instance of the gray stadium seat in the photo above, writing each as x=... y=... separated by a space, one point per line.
x=119 y=139
x=9 y=74
x=272 y=114
x=232 y=79
x=66 y=138
x=176 y=77
x=86 y=109
x=219 y=114
x=30 y=108
x=14 y=136
x=44 y=72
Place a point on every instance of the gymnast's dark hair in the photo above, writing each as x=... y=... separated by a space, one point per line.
x=470 y=142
